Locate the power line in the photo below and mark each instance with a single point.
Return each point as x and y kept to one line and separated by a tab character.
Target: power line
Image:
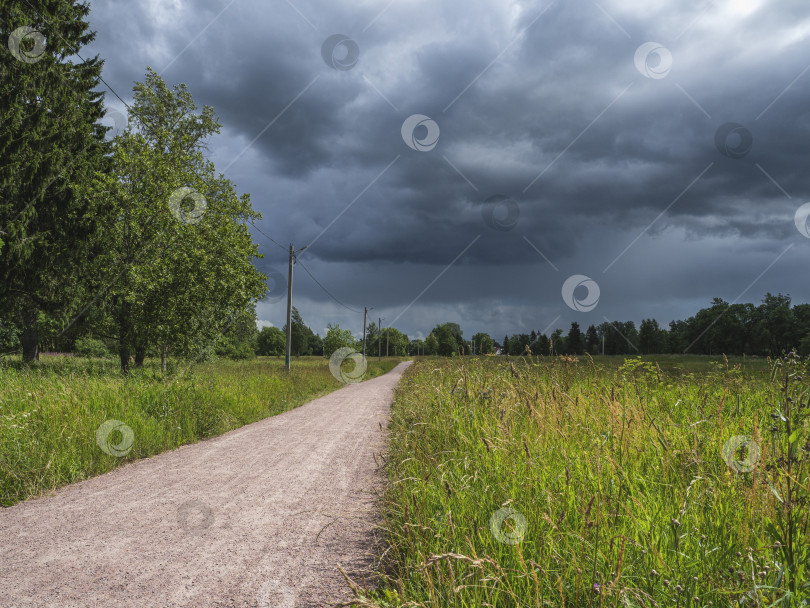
268	236
325	289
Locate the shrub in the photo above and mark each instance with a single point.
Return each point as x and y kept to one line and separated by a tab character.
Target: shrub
90	347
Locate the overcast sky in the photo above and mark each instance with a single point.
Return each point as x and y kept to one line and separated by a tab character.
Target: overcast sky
461	160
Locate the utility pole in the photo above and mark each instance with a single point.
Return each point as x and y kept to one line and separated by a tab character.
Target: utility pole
379	338
603	344
365	314
289	306
387	333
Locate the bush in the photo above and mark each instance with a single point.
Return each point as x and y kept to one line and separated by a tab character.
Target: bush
9	336
90	347
238	351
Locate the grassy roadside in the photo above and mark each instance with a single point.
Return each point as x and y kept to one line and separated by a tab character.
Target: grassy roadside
50	416
561	483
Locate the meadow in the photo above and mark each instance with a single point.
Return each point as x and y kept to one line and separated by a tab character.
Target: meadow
663	481
70	418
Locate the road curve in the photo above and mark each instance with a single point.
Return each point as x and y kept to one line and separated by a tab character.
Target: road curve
259	517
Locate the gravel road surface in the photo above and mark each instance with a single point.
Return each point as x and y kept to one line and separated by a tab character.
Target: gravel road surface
258	517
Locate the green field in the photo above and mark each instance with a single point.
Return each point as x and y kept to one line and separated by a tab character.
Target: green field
563	482
50	414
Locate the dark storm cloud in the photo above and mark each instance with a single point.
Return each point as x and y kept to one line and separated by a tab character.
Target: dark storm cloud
539	102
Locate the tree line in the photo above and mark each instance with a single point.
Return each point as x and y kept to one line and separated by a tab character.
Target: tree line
129	238
386	341
768	329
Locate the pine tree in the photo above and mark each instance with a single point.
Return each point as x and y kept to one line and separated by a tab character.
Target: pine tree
50	141
592	340
575	342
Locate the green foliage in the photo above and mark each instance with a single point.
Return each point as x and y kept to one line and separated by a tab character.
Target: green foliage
91	347
49	143
315	345
592	343
395	343
303	340
386	339
769	329
651	338
9	336
448	339
186	278
337	338
484	345
417	347
575	341
787	474
432	345
271	341
240	341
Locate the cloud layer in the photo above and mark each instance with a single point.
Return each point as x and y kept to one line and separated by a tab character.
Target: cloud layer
658	148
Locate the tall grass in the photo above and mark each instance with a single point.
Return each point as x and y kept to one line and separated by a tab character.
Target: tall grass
50	415
559	482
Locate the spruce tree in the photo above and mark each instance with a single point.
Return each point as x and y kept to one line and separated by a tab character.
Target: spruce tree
50	141
592	340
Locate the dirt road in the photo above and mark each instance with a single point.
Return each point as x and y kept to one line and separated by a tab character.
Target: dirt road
258	517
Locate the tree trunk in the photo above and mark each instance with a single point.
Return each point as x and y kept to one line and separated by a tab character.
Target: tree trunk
30	343
123	355
140	355
124	337
164	351
30	336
